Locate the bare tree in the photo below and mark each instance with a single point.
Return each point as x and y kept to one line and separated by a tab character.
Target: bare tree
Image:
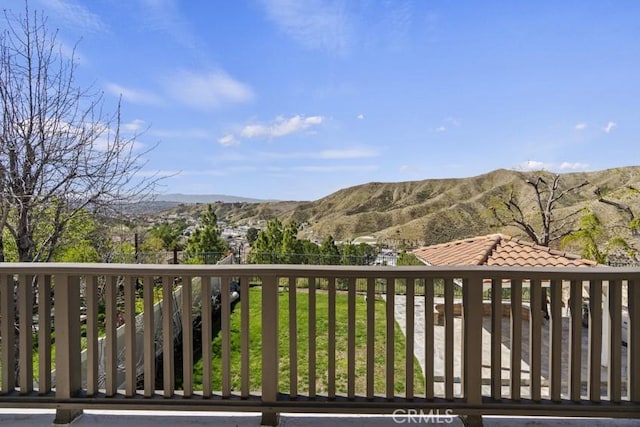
60	154
633	221
548	193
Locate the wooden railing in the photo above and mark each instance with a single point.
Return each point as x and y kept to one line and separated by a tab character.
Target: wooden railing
490	351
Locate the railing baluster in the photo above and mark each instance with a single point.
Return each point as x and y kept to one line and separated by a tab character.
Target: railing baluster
516	339
244	336
25	312
535	339
111	339
428	338
44	334
207	336
187	337
555	342
312	337
633	348
595	339
7	319
168	371
92	334
410	338
496	339
130	334
390	322
575	340
225	332
371	334
332	339
615	347
149	337
270	354
293	338
448	339
351	338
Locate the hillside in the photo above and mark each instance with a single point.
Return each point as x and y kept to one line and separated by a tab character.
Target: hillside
434	210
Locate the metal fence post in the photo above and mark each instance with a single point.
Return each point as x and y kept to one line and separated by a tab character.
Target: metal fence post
270	355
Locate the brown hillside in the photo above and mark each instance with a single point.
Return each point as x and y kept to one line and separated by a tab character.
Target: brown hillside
437	210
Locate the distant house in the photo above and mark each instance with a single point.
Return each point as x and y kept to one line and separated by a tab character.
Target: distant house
499	250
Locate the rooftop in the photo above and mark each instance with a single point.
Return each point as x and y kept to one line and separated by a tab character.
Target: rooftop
498	250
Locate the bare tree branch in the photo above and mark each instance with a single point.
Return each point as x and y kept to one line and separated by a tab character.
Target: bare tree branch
60	154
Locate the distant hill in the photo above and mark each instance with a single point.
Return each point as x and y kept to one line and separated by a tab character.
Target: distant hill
434	210
204	198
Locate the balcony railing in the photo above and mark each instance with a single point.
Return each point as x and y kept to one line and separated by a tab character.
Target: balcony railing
475	337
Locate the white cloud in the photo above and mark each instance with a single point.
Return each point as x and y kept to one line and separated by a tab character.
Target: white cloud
533	165
581	126
228	140
453	121
567	166
76	15
441	129
315	24
609	127
360	116
281	126
207	90
134	126
134	96
167	17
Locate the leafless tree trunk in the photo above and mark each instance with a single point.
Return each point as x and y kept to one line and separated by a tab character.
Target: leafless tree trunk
548	194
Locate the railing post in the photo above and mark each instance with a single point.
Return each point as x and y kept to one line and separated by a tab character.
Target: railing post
472	344
67	319
270	357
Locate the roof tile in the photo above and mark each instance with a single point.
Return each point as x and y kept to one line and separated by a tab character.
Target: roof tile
498	250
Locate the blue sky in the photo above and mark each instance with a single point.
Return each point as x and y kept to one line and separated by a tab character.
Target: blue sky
295	99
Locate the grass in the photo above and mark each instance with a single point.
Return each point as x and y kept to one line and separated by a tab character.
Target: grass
322	340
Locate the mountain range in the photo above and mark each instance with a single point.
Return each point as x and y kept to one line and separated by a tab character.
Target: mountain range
438	210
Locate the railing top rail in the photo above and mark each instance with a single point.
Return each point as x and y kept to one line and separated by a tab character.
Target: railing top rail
543	273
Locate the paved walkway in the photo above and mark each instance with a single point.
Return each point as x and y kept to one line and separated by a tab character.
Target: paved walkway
439	357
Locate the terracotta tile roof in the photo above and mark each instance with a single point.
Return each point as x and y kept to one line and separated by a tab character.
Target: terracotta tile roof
498	250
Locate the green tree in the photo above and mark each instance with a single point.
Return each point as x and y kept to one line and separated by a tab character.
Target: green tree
169	233
252	235
311	252
84	240
329	251
406	258
290	247
589	237
266	247
206	239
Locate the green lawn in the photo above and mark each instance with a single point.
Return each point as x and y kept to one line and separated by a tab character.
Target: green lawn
322	302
